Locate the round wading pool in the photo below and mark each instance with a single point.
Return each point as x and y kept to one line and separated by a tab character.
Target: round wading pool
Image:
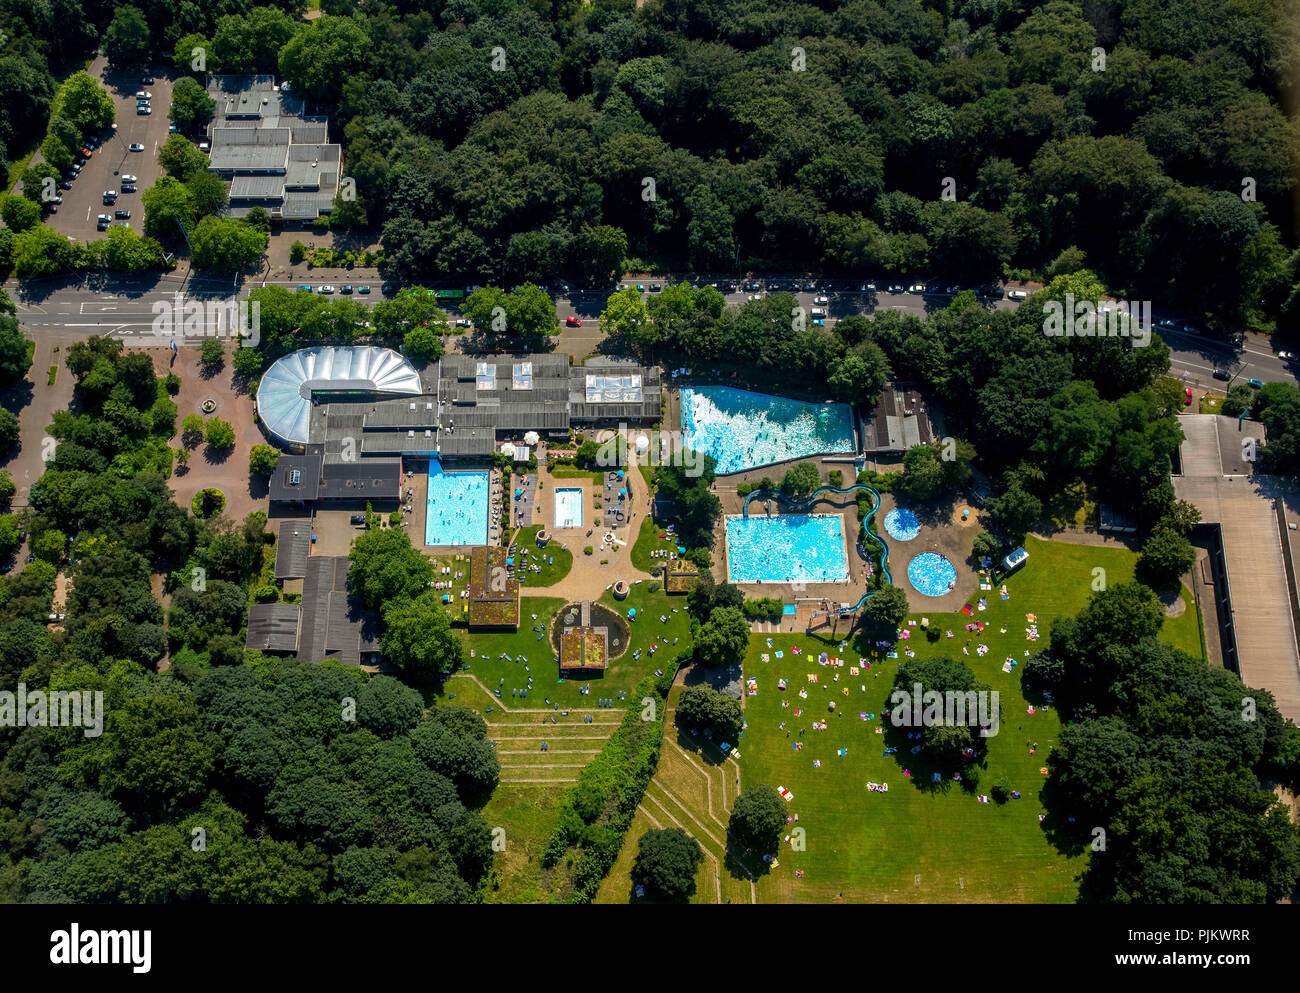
932	574
902	524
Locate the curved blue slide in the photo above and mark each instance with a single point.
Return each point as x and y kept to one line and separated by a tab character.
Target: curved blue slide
812	498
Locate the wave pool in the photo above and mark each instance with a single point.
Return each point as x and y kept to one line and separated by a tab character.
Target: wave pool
744	430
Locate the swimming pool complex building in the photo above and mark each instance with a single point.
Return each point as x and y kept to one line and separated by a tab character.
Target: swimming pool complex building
350	415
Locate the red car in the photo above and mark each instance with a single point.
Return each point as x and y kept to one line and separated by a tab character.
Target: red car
573	322
1187	396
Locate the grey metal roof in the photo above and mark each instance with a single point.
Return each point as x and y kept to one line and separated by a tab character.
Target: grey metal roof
334	623
296	478
292	546
273	627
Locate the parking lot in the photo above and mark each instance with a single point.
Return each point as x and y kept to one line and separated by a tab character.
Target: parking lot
84	202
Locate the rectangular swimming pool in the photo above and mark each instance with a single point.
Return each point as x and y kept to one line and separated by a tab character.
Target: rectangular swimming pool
789	548
743	430
568	507
456	510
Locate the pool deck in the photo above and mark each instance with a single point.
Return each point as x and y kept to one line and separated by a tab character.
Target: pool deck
937	535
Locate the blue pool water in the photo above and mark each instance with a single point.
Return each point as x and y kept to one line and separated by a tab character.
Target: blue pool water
743	430
932	574
785	549
902	524
568	507
456	510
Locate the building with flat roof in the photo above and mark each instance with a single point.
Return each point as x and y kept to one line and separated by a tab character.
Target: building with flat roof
330	623
273	153
680	575
584	650
493	591
343	411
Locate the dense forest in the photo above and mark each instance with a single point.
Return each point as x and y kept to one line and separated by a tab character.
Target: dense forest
1146	139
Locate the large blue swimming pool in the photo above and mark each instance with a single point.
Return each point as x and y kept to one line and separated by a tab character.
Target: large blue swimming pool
744	430
785	549
456	511
932	574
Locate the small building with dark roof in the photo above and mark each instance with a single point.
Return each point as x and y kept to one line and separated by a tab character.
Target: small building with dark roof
899	421
274	627
313	478
493	592
292	546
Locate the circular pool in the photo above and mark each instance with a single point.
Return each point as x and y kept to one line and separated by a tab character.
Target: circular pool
902	524
931	574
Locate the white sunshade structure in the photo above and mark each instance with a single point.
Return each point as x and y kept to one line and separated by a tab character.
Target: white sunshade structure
284	396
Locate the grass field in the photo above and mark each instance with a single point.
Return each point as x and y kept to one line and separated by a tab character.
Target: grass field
623	673
647	541
920	842
555	561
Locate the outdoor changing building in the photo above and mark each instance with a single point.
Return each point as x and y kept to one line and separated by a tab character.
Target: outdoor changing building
350	414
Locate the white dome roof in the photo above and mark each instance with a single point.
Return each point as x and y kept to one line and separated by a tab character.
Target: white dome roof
284	395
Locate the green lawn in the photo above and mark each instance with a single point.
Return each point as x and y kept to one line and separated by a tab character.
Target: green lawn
923	842
555	561
623	673
648	540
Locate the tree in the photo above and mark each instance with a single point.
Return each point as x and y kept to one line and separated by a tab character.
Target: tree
951	740
860	376
923	475
599	252
625	316
986	546
386	567
20	213
127	39
8	430
262	460
757	819
723	638
1015	511
884	612
322	54
14	360
212	355
800	480
191	106
666	862
247	361
388	708
84	102
192	429
219	435
42	251
1166	557
706	708
226	244
167	205
418	639
468	761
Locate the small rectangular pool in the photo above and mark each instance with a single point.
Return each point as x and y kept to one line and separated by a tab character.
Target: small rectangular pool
789	548
568	507
456	509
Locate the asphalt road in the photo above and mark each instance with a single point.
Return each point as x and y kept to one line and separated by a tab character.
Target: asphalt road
70	309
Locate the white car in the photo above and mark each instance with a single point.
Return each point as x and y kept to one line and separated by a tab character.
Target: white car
916	288
143	95
1018	295
821	300
1286	355
327	289
136	147
128	178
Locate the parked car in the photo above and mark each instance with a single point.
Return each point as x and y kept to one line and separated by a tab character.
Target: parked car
122	224
143	95
363	290
122	215
573	322
1254	384
66	184
327	289
135	146
1187	396
128	187
147	80
916	288
1223	374
144	111
387	288
655	287
110	196
819	322
306	288
103	221
128	178
345	289
1286	355
1018	295
357	519
821	300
